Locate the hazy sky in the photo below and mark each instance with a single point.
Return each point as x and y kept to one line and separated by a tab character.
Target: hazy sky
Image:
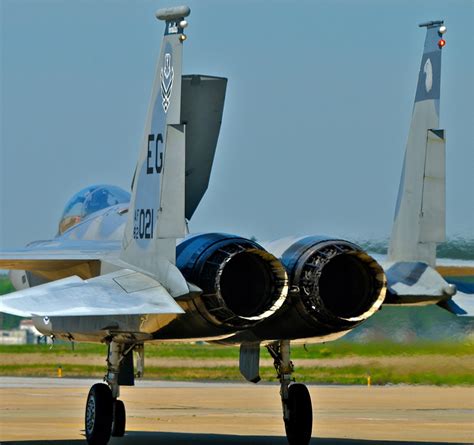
318	105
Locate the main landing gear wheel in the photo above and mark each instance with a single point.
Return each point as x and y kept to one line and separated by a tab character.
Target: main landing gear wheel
295	398
99	414
299	422
118	424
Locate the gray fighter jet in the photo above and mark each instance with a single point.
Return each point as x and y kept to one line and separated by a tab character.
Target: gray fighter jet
123	270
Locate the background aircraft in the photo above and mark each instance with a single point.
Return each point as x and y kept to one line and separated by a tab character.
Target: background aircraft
114	273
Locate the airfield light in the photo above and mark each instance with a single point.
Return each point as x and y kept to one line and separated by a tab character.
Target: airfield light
442	30
441	43
183	24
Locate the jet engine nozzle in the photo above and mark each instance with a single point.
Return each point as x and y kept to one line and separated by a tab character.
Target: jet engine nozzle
337	282
241	283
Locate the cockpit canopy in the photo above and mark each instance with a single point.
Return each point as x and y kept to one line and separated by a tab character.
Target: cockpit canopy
91	200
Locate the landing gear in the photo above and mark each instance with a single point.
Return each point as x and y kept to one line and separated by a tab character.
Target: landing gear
99	414
118	424
105	414
295	398
299	423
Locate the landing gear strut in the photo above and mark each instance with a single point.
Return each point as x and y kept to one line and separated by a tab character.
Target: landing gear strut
105	414
295	398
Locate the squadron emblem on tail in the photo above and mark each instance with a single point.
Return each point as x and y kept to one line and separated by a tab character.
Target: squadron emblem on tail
428	70
166	77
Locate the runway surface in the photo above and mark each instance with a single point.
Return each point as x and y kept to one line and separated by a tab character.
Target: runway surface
50	411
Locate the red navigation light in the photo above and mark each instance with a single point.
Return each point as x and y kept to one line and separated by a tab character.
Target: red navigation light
441	43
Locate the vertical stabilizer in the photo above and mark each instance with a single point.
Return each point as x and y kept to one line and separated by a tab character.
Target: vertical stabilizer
419	222
156	215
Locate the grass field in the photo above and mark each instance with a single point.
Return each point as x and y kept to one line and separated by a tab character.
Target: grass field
335	349
335	363
340	362
7	321
5	285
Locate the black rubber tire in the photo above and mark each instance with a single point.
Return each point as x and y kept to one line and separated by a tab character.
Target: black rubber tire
118	424
299	426
99	414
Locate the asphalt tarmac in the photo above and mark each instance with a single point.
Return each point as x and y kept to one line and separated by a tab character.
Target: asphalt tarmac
50	412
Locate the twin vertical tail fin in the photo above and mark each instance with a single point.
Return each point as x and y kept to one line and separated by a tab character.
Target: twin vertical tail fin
156	214
420	213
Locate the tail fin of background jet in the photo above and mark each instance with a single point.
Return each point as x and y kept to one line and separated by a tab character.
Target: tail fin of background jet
156	215
420	212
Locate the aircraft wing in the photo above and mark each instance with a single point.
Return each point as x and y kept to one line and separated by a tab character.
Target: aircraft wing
47	263
55	260
61	249
124	292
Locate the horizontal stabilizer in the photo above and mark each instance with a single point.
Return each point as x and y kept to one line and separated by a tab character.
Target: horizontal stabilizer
461	304
120	293
415	283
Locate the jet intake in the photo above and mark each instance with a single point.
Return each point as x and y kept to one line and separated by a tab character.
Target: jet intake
338	283
241	283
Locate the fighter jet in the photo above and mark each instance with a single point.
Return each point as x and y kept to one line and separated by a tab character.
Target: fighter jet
123	270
